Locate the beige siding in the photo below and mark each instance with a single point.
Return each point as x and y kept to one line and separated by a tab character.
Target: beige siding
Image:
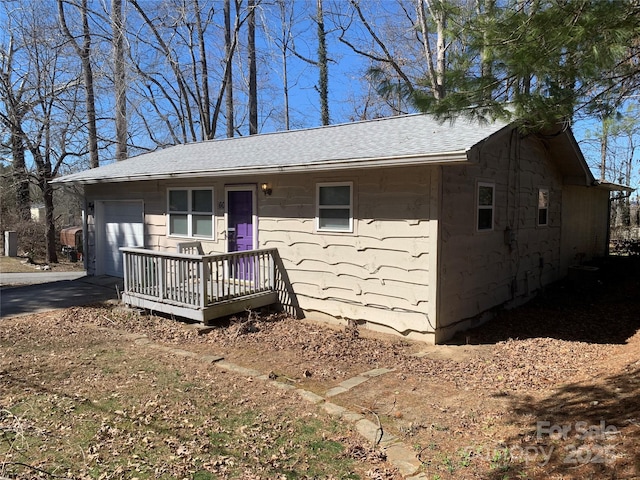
154	196
483	269
414	264
384	273
585	213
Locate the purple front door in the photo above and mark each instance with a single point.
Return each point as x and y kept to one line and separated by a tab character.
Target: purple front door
240	231
240	215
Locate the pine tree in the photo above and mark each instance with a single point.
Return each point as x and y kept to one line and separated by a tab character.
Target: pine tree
544	61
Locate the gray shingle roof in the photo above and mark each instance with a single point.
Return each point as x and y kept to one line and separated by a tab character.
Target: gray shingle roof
386	141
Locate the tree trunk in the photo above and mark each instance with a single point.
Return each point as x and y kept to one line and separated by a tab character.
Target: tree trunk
87	72
435	72
50	233
441	63
45	175
253	80
228	78
323	81
202	89
84	52
603	148
485	7
228	51
285	76
119	79
21	179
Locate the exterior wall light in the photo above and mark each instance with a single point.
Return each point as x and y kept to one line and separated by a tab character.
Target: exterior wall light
266	189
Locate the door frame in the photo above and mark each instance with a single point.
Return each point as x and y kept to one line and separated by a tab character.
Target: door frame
250	187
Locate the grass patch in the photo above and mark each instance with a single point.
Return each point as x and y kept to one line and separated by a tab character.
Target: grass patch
14	265
96	407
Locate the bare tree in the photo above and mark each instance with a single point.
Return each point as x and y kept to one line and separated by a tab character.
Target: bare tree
439	16
229	47
407	43
323	66
253	69
48	113
226	87
120	81
387	69
83	51
321	62
14	110
171	59
285	38
178	92
280	32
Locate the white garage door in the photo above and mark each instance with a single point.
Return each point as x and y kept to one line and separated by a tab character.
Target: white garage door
122	226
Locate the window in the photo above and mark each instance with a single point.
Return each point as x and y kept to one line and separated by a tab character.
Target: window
335	207
485	206
543	206
191	212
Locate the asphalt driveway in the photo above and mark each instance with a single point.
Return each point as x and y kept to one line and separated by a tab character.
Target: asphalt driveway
22	294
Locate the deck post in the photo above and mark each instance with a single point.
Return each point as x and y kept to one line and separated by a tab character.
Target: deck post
125	270
162	277
204	276
272	272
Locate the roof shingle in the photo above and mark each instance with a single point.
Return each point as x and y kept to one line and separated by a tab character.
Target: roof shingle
334	146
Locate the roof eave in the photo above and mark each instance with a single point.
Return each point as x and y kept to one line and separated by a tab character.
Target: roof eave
613	187
590	179
458	156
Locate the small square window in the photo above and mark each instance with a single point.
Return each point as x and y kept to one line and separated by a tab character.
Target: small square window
334	207
485	206
191	212
543	206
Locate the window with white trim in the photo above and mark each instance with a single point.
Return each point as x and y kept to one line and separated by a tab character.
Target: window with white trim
190	212
334	211
485	206
543	206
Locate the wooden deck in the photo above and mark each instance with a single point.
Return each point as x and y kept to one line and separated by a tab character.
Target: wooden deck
199	287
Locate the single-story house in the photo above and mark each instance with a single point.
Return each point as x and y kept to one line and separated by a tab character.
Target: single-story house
401	224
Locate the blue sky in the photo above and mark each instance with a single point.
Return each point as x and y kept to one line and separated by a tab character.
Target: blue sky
347	77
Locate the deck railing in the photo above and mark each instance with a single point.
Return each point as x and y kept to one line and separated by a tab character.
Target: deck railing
197	281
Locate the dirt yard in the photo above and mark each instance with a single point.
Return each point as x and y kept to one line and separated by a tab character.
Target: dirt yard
549	390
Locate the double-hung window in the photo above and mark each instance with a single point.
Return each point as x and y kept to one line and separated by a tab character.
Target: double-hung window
485	206
543	206
334	207
191	212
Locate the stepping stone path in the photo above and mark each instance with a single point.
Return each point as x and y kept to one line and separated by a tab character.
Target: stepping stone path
398	454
